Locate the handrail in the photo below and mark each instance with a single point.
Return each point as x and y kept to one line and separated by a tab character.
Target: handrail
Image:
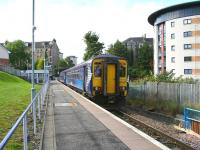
193	110
23	116
191	115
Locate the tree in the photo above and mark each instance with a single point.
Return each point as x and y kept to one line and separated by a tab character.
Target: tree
118	49
145	57
64	64
94	47
144	64
18	56
69	62
39	64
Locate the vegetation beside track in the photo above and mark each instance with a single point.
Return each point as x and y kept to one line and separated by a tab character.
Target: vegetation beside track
15	95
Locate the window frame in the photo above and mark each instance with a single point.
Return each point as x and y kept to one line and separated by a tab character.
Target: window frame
173	59
122	73
187	71
172	47
187	21
172	24
97	65
187	58
187	46
173	36
187	34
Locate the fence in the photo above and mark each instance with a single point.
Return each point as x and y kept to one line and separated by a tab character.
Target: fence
11	70
36	106
26	74
181	93
192	119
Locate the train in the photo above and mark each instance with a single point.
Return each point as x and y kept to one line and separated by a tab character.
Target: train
103	78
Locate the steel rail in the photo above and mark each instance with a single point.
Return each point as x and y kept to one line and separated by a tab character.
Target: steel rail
179	143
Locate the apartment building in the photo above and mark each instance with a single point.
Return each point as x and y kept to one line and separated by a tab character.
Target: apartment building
177	39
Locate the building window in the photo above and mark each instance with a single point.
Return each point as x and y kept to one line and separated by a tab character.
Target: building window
173	48
188	58
187	71
187	21
187	34
172	36
172	24
187	46
172	59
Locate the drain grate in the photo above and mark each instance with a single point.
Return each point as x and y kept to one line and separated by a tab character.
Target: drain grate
72	104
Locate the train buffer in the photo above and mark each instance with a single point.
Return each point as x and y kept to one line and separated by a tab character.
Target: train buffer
75	123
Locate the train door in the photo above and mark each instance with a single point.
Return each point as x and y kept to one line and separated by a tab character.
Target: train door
85	78
111	79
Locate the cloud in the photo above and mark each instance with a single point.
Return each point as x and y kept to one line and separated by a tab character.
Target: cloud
67	21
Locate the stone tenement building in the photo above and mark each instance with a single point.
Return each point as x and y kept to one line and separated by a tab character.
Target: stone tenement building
134	43
48	47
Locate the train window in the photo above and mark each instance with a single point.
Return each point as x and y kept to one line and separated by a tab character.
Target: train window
122	71
97	71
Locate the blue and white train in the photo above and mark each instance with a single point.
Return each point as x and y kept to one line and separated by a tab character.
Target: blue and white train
103	76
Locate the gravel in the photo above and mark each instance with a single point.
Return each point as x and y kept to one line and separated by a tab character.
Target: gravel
167	125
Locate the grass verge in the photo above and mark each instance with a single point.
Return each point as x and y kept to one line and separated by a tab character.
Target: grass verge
15	95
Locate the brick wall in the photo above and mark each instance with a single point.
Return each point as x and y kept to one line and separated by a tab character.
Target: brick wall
4	61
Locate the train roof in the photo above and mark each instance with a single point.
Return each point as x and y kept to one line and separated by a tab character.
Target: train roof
90	61
108	56
79	65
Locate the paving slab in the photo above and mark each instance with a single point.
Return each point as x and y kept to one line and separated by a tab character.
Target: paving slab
78	129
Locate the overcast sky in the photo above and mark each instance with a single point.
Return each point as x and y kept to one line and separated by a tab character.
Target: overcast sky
68	20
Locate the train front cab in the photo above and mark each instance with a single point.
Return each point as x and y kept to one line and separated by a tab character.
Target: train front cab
109	78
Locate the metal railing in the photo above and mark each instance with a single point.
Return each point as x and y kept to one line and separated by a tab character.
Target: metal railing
13	71
35	106
191	115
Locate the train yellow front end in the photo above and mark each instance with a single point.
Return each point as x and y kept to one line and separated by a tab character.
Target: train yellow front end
109	77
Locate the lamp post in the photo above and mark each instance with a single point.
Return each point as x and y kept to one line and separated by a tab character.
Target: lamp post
33	50
33	88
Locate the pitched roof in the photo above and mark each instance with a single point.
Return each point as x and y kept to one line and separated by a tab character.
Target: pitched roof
41	44
138	39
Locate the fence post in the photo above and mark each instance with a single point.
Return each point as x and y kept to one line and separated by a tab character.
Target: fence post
144	91
41	100
34	118
185	119
38	102
157	91
25	134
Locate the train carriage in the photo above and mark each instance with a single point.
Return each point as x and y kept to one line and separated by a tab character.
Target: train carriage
103	76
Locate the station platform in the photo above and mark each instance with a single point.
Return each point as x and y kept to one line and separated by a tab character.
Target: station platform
75	123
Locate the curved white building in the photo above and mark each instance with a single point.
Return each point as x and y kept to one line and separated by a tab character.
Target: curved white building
177	39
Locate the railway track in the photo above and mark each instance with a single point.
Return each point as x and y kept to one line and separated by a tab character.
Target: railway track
157	134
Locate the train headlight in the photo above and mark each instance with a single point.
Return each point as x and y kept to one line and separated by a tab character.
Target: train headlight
97	88
122	88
